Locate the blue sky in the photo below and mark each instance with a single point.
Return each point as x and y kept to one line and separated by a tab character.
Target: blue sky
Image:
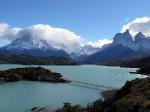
91	19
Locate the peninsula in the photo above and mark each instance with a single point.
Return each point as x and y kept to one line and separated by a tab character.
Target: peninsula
30	74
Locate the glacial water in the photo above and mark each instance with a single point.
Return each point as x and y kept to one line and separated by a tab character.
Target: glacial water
23	95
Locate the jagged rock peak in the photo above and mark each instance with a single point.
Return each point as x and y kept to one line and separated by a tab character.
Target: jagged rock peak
139	35
123	38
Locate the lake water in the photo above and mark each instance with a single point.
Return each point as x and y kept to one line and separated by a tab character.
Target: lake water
23	95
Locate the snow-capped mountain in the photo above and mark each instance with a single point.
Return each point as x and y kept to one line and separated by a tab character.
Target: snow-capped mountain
123	46
28	43
89	49
31	46
84	51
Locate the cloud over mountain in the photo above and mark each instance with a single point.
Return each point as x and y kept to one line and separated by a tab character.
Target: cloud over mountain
3	27
8	33
138	25
57	37
65	39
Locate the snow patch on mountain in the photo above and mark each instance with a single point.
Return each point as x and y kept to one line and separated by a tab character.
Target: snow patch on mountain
29	43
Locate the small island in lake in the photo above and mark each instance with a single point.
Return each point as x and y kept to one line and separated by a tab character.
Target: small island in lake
30	74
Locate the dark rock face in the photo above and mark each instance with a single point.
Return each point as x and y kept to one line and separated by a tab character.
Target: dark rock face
139	37
123	38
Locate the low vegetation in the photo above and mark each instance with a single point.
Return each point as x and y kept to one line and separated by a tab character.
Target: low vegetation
31	74
35	60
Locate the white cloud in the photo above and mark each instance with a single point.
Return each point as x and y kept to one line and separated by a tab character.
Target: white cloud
99	43
7	33
56	37
11	33
3	28
138	25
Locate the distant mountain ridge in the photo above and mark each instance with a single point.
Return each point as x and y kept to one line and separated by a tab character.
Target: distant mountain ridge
137	43
33	47
84	51
124	46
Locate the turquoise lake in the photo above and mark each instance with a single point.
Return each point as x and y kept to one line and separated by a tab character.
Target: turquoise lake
23	95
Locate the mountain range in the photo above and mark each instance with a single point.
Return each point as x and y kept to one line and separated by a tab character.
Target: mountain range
33	47
124	46
29	45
